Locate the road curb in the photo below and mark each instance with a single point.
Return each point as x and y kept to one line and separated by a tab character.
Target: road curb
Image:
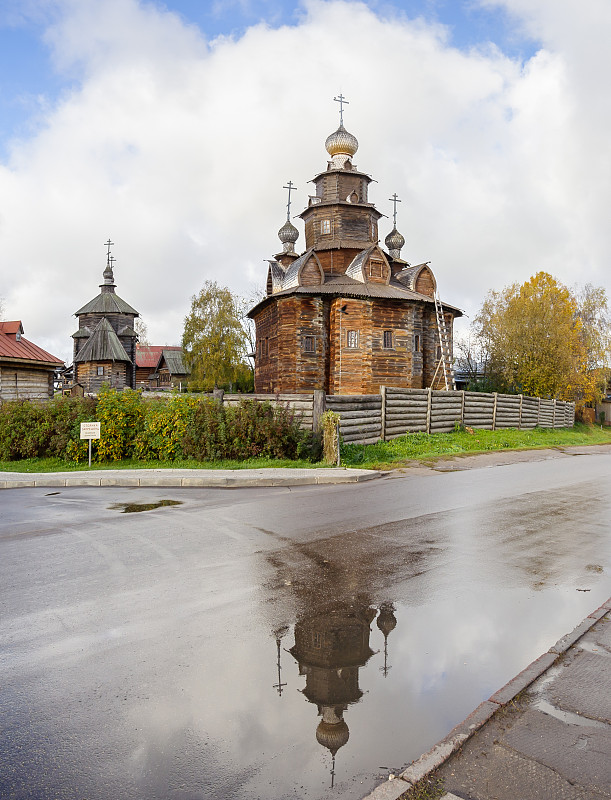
422	767
212	479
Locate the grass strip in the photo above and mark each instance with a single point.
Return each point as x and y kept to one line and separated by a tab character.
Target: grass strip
423	446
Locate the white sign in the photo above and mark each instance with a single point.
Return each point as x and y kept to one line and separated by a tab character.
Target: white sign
90	430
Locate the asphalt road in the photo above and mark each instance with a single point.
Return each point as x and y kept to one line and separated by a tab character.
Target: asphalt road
139	651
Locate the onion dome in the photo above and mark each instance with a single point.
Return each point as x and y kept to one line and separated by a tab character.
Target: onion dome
394	242
288	233
341	146
108	274
386	620
332	735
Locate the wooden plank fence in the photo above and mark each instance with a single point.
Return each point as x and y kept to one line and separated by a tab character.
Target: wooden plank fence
365	419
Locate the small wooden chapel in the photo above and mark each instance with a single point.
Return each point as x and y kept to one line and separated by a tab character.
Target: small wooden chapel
105	342
347	315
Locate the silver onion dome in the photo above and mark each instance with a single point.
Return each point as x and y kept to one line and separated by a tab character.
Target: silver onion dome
341	142
394	242
288	233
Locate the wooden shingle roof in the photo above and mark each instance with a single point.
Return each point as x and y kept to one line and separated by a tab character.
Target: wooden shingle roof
102	345
107	303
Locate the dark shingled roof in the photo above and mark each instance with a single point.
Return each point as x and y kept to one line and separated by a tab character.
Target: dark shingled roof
343	286
103	345
106	303
174	362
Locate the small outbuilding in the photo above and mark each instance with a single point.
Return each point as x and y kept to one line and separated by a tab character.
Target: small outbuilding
26	370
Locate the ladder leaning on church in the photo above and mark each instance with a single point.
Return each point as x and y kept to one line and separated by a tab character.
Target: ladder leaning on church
444	366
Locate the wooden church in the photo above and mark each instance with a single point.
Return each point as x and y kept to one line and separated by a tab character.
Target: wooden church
348	316
105	342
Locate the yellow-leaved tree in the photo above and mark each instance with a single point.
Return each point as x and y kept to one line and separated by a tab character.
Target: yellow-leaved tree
543	340
213	340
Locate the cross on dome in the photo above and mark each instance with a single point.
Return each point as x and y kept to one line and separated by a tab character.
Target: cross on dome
342	102
394	200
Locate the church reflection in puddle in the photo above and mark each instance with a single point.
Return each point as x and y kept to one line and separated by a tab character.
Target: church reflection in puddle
331	646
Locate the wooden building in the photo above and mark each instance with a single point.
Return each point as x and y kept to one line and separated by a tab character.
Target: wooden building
347	315
26	370
160	367
105	342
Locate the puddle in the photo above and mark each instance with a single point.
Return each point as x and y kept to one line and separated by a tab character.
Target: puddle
568	716
131	508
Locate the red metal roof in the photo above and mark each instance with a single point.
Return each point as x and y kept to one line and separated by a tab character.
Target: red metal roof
11	347
11	327
147	356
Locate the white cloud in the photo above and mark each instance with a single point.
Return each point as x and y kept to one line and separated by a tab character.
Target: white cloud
177	148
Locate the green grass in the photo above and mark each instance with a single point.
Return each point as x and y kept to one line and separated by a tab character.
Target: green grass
57	465
422	446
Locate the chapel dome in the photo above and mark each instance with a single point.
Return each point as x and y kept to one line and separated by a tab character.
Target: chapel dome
386	621
288	233
332	735
341	142
394	240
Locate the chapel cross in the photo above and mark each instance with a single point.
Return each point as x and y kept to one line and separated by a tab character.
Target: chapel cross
291	187
394	200
108	245
342	102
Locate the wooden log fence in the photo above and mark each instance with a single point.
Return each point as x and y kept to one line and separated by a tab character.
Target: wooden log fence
365	419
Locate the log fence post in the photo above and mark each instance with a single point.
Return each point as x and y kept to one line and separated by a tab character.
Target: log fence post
319	406
494	411
429	402
520	417
383	420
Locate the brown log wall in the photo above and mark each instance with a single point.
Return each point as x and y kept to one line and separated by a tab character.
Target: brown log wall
25	383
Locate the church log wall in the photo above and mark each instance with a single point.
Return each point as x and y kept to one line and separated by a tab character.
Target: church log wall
86	373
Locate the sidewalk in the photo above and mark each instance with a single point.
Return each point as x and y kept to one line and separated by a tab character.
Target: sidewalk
546	735
211	478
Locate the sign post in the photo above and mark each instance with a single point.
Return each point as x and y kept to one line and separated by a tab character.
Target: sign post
90	430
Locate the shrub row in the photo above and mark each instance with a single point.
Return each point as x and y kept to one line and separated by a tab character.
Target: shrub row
163	429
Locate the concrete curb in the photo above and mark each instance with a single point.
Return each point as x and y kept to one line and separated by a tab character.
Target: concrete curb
226	479
422	767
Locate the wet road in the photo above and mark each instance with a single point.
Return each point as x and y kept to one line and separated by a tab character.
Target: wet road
228	646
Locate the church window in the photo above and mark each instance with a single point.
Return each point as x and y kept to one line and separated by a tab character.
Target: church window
417	343
308	344
439	352
375	269
352	339
325	226
388	340
100	370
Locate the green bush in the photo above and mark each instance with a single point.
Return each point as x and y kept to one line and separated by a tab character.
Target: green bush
163	428
29	429
180	426
248	430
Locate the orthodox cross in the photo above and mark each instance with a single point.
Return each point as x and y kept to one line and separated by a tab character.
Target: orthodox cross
291	187
279	686
111	260
108	245
342	102
394	200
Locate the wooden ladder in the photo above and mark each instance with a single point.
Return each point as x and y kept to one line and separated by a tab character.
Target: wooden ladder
445	362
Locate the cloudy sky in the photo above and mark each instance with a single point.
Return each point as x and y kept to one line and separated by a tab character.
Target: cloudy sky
172	127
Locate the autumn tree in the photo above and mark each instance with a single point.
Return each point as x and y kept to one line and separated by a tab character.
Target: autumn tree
213	339
543	340
142	331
